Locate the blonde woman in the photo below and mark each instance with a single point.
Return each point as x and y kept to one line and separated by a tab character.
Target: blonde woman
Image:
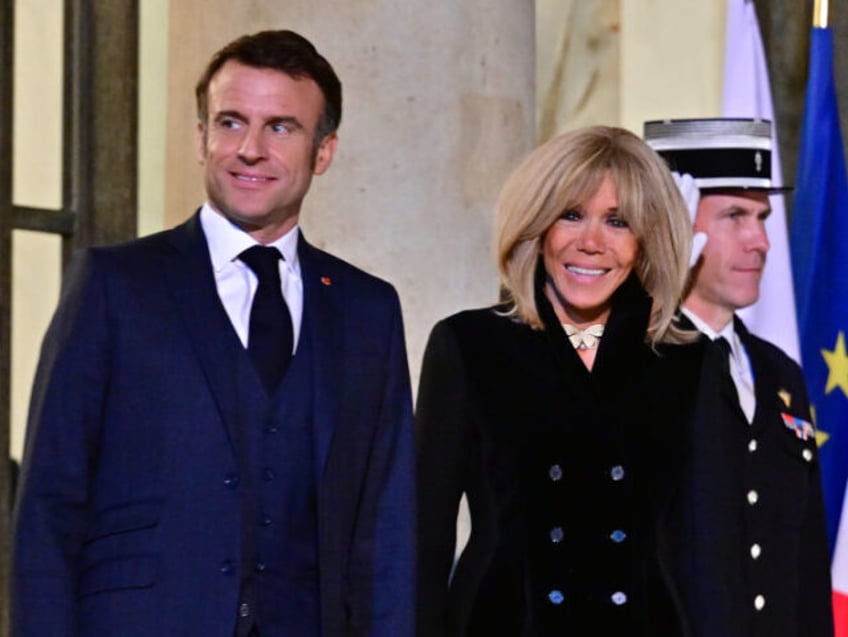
561	412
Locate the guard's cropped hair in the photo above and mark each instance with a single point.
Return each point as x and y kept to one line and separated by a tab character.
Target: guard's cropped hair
284	51
562	174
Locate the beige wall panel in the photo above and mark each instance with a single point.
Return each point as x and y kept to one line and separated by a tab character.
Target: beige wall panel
36	275
152	114
577	65
37	181
438	108
672	52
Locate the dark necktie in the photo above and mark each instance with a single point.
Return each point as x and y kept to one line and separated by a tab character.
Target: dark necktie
270	337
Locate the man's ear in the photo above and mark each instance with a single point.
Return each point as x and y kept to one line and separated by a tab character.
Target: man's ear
200	142
324	153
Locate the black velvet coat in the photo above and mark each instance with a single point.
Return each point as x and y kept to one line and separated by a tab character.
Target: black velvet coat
568	474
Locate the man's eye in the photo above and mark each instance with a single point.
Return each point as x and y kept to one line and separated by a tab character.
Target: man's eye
279	128
228	124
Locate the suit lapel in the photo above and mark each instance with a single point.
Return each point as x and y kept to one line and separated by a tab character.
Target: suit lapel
323	317
195	295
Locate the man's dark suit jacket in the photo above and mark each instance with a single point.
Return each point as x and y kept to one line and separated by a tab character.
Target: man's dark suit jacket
131	439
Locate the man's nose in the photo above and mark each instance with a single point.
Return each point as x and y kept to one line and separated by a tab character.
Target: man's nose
252	146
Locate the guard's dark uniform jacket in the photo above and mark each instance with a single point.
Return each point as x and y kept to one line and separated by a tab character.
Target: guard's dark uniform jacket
750	545
567	474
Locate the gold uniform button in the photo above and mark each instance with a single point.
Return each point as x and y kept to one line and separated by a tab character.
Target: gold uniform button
756	550
753	496
752	445
759	602
807	455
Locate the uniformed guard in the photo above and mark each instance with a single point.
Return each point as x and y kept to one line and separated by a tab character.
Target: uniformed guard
750	544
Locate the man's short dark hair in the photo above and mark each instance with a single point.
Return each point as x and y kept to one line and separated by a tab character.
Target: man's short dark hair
284	51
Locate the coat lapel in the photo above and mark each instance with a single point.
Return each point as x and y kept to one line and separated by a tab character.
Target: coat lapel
323	315
195	295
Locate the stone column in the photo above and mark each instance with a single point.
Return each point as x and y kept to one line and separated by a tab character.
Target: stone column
438	107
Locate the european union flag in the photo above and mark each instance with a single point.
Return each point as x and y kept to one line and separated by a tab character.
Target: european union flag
819	237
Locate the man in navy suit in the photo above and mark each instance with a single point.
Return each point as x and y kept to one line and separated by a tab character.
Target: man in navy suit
752	556
190	470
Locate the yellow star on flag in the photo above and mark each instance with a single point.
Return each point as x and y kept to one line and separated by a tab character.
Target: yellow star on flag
837	365
821	436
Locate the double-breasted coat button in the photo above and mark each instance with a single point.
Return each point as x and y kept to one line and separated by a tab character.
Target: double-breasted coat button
807	455
231	480
555	472
759	602
617	473
756	550
752	445
753	496
557	534
619	598
618	536
556	597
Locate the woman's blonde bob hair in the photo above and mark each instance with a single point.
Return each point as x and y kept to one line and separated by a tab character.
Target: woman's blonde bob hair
561	175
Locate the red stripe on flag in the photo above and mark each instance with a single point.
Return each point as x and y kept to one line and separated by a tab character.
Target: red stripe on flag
840	614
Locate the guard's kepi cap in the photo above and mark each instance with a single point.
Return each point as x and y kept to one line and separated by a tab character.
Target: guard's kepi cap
719	153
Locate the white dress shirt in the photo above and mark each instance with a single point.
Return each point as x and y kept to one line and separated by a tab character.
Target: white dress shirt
740	364
237	283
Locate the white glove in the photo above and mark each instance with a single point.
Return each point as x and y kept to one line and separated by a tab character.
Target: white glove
691	195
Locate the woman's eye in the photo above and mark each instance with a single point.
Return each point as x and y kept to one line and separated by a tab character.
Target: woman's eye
570	215
618	222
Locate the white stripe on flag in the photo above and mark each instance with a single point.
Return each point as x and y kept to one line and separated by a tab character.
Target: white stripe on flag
839	565
747	94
